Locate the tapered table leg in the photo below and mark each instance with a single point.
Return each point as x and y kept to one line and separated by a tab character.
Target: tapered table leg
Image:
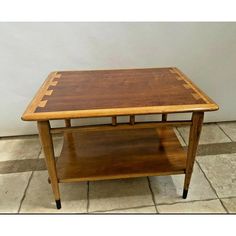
194	135
47	146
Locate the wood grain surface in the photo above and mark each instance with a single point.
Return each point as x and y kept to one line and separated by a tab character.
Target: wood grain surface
120	154
75	94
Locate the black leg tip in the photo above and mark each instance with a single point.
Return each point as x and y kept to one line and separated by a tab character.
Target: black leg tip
58	203
185	193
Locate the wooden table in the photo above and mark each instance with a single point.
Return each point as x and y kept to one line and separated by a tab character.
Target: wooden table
113	151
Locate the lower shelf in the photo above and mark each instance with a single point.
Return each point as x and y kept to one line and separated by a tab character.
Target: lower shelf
97	155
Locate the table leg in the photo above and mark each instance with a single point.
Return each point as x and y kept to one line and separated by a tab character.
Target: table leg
194	135
164	117
47	146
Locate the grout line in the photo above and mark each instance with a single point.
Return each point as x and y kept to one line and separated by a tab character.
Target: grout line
224	206
212	187
24	136
184	202
224	132
24	195
228	197
87	197
40	152
126	208
153	196
181	136
19	136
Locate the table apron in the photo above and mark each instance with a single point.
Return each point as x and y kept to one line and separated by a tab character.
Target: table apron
138	125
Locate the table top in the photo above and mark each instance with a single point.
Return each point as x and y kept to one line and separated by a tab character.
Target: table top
75	94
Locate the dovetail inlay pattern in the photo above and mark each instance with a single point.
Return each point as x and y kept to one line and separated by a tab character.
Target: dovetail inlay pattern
196	96
187	86
53	83
57	76
43	103
49	92
75	94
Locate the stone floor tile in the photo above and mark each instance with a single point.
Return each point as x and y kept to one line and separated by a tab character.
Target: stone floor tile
229	128
139	210
221	172
211	133
210	206
19	148
57	144
169	189
216	149
230	204
12	188
39	197
16	166
115	194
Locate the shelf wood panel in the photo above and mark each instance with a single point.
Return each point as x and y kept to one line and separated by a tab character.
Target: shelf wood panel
115	154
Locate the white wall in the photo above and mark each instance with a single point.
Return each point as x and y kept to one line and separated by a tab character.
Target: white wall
206	52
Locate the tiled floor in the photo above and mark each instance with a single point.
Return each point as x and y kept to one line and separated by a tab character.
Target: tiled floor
24	187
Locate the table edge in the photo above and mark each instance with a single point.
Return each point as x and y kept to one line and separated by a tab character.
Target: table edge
118	112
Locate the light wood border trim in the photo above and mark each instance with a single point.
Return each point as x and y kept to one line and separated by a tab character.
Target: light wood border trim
118	111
